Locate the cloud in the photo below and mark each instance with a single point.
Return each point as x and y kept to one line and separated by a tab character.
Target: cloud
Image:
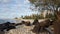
14	8
26	2
5	1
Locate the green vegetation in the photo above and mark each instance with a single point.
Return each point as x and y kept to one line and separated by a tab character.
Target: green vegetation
52	5
34	16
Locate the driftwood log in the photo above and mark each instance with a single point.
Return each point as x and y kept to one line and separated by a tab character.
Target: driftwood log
40	26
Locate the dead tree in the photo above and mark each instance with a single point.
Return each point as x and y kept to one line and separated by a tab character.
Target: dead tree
41	26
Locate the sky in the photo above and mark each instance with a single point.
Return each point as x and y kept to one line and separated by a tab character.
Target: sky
15	8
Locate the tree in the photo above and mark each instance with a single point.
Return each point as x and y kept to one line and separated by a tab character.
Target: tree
16	18
49	5
21	16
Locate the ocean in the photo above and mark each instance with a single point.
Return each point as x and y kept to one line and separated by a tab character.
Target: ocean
9	20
